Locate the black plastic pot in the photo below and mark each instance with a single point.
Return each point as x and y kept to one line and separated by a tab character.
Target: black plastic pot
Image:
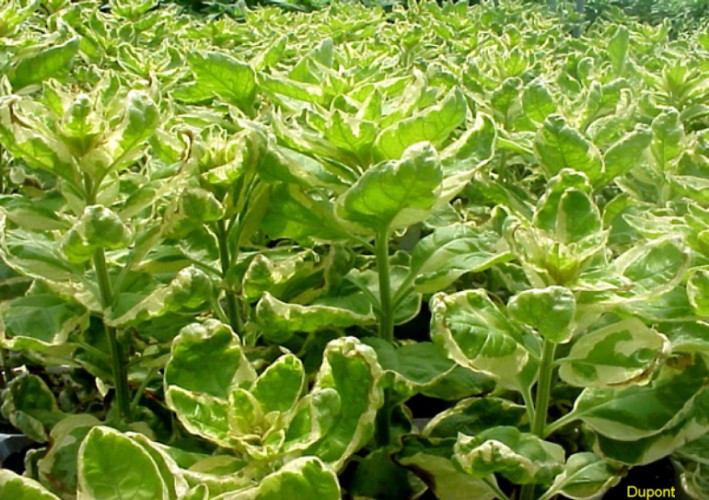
13	448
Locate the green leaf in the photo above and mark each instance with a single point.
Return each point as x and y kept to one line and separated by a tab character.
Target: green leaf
201	414
466	156
112	466
667	139
189	290
190	210
352	135
57	469
696	188
672	306
312	419
292	167
694	481
432	459
14	15
698	291
621	353
625	154
31	407
22	488
449	252
521	458
585	477
350	368
301	216
140	119
279	387
636	412
305	477
473	415
477	334
569	216
245	418
506	95
550	311
278	320
602	99
423	368
696	450
281	86
41	321
21	139
686	336
12	284
537	101
367	281
98	227
240	157
394	194
653	269
231	80
170	471
558	146
51	62
284	275
652	448
378	476
434	125
207	358
32	213
618	49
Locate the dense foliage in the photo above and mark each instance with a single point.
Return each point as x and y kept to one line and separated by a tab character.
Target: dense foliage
351	253
682	15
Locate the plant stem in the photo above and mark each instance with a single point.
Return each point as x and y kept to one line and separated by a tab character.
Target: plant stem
383	422
118	362
386	328
558	424
386	315
580	6
143	386
6	370
225	260
496	489
529	405
541	406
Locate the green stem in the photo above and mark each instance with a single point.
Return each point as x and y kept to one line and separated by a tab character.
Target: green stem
383	424
119	364
580	6
401	293
529	404
89	190
541	405
96	352
386	315
143	386
503	163
558	424
6	370
232	309
219	310
386	328
496	489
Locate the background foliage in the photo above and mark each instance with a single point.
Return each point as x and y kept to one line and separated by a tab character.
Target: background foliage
354	252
